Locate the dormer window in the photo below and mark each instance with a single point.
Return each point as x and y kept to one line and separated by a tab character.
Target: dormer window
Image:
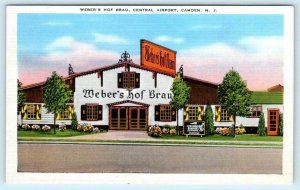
129	80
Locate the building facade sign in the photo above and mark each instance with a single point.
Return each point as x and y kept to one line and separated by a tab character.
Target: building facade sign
157	57
128	95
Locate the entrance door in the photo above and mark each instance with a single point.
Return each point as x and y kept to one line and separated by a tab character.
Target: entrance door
138	118
273	120
119	118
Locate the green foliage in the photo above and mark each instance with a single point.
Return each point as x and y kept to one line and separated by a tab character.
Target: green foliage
281	124
21	96
74	121
56	95
261	129
208	120
233	95
181	93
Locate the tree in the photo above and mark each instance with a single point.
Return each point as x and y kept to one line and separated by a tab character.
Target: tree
281	124
234	96
261	129
21	97
181	95
208	120
74	121
56	95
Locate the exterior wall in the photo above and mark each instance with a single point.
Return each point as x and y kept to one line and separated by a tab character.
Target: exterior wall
202	93
93	82
46	118
249	121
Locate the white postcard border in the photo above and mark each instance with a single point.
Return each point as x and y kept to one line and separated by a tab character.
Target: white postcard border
12	176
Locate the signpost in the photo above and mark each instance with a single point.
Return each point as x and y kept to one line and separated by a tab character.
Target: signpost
194	128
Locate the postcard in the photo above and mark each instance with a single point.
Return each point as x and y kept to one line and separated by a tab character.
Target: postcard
149	94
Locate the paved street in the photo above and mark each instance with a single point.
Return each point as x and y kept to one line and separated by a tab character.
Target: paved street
147	159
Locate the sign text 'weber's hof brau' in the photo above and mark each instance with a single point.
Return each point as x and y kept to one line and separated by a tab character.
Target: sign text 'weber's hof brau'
158	57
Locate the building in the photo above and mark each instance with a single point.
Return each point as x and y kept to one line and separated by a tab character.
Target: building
127	96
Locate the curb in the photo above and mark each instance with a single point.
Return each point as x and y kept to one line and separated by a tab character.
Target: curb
152	143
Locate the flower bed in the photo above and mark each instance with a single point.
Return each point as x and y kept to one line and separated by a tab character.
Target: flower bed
35	127
62	127
154	131
173	132
46	128
165	131
26	127
223	131
86	127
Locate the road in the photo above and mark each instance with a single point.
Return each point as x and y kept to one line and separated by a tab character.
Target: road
80	158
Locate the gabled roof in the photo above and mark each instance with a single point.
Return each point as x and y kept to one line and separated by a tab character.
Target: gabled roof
267	97
117	65
276	88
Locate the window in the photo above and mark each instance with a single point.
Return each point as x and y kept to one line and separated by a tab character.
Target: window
221	114
67	114
224	115
31	112
193	113
128	80
165	113
255	111
91	112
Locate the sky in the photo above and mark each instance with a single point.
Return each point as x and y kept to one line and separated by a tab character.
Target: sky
207	46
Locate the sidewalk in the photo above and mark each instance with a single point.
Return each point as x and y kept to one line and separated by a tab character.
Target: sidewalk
142	137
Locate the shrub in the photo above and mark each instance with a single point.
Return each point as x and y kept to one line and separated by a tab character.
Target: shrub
261	129
96	130
225	131
46	128
79	128
281	124
173	132
101	130
166	131
26	127
35	127
154	131
62	127
240	130
74	122
208	120
87	127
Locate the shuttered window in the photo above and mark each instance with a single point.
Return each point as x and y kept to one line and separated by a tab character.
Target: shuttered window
31	112
221	114
165	113
128	80
193	113
67	114
91	112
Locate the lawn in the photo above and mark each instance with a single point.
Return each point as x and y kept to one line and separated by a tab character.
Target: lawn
66	133
244	137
